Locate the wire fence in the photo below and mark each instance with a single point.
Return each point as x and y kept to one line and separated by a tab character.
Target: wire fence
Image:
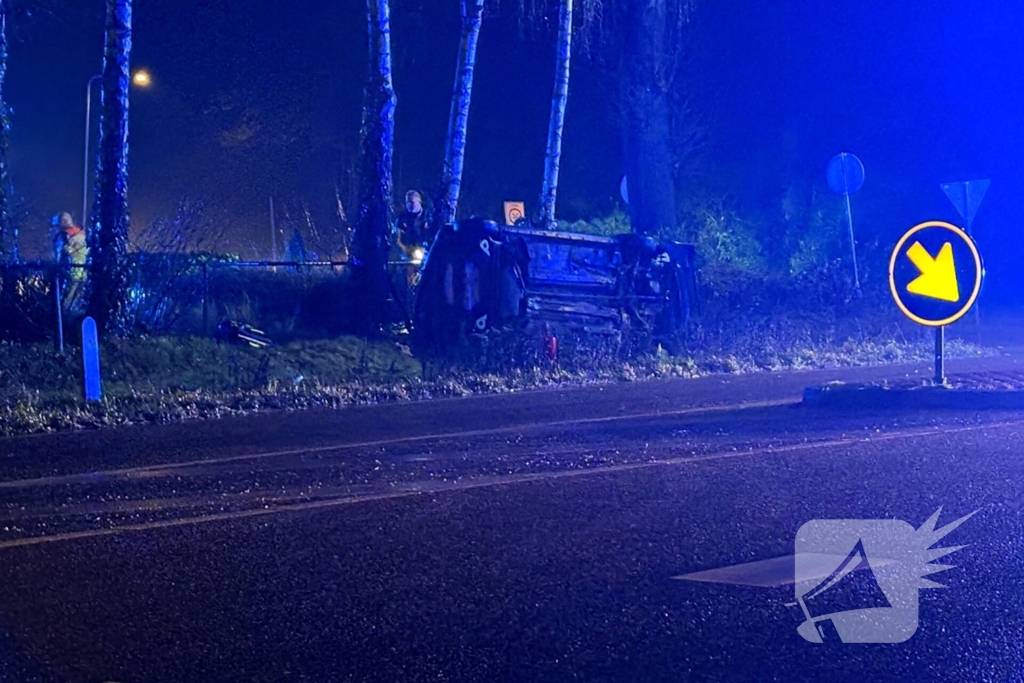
190	295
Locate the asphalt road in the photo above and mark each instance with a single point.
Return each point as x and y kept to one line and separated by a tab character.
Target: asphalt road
531	537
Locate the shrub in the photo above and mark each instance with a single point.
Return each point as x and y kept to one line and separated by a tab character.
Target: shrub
723	236
615	223
814	232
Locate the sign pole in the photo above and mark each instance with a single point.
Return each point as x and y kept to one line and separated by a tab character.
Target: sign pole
967	196
940	355
60	310
273	232
845	176
929	287
206	296
853	247
967	204
977	306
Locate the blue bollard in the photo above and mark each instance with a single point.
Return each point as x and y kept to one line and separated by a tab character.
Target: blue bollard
91	360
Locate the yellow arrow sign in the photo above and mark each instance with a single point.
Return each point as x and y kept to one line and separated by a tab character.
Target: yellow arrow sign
938	275
933	280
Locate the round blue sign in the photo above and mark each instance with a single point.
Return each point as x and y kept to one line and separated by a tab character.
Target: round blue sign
935	273
845	174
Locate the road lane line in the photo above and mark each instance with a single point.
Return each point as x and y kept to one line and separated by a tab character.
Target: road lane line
160	469
500	480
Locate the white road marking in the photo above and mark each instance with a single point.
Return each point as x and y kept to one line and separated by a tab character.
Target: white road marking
165	469
501	480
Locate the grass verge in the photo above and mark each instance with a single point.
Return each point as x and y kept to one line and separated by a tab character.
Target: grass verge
163	380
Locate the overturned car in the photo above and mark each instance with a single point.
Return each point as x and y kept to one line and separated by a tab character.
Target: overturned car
478	276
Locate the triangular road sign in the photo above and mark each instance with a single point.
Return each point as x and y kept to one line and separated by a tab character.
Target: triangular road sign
966	196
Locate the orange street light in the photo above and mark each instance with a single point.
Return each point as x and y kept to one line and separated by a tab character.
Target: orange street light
142	79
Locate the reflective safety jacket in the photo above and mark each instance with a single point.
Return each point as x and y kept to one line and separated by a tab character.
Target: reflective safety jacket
76	252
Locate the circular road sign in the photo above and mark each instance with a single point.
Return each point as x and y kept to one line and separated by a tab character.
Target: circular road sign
935	273
845	174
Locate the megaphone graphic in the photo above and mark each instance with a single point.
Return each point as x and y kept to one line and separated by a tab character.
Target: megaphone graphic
851	586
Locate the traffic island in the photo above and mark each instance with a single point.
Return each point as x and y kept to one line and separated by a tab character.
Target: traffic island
981	391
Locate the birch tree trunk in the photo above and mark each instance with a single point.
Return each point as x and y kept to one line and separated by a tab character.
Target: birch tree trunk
108	228
8	230
556	124
458	119
370	240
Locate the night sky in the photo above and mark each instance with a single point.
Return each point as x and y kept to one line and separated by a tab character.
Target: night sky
262	98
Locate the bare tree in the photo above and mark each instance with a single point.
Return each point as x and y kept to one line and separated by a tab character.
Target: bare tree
651	54
8	228
166	261
188	231
458	119
15	15
327	237
11	11
108	233
642	45
556	124
370	241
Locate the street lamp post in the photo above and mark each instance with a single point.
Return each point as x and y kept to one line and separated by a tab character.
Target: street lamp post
141	79
88	130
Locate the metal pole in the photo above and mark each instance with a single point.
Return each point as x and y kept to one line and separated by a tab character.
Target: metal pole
853	246
970	233
88	130
273	231
967	206
940	353
206	310
273	235
60	309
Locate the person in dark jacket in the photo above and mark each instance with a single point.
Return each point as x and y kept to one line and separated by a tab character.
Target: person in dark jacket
413	232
